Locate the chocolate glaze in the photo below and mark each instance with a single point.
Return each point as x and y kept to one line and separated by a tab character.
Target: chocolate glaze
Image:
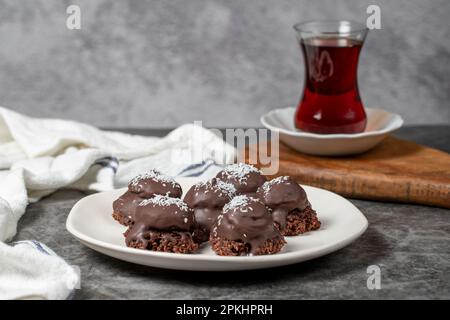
283	195
207	199
154	182
126	205
160	213
244	177
248	220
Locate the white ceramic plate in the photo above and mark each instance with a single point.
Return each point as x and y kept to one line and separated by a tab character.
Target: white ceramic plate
90	222
379	124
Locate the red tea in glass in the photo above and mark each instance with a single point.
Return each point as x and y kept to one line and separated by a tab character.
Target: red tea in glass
331	101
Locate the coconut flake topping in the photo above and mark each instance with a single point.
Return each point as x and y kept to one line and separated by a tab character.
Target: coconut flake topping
240	171
219	186
164	201
239	202
155	175
279	180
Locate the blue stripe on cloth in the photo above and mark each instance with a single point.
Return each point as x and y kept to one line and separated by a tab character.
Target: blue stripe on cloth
36	245
108	162
197	169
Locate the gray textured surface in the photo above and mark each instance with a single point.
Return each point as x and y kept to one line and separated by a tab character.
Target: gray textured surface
408	242
139	63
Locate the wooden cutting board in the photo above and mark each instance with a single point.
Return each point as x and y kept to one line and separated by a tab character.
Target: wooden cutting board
396	170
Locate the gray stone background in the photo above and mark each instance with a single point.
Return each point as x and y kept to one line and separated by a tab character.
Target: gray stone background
139	63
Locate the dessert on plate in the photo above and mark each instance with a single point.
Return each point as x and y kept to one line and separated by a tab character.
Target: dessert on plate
245	178
289	205
207	200
239	212
163	224
143	186
245	227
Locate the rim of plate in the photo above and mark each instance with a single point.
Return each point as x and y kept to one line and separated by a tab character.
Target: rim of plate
396	124
201	257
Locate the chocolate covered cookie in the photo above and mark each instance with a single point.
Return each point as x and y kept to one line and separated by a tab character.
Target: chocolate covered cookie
125	206
154	182
289	205
245	178
163	224
207	199
245	227
142	187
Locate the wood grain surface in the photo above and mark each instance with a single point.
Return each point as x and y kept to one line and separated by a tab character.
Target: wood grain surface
396	170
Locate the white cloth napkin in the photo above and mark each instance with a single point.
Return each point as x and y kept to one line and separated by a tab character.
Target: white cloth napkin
39	156
30	270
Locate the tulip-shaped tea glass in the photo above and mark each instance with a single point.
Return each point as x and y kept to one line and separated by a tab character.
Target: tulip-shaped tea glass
331	101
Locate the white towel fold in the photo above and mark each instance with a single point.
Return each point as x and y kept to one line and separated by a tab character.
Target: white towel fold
30	270
39	156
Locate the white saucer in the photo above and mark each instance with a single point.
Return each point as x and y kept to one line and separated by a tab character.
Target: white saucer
379	124
90	222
